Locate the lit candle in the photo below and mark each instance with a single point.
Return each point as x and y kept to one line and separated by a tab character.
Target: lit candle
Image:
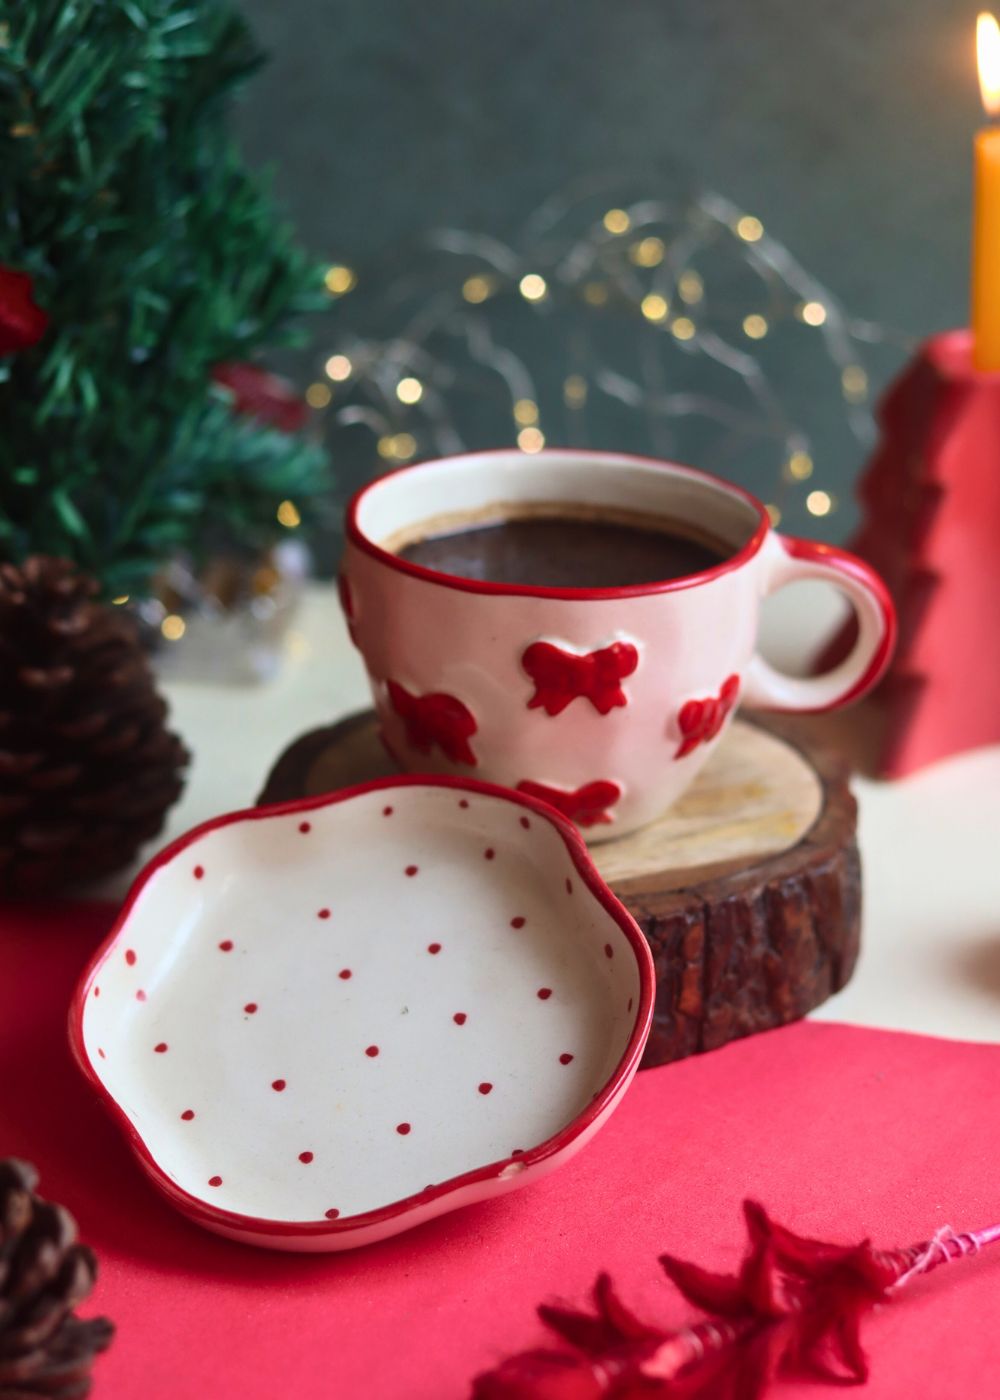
986	221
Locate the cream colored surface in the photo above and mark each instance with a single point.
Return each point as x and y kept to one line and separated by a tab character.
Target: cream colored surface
777	794
930	844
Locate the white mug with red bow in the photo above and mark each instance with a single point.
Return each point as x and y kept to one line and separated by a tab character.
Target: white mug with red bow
604	702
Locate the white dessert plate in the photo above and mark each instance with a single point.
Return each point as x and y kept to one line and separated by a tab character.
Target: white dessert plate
325	1022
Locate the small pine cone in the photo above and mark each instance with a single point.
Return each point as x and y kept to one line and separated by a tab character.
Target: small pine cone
88	768
44	1349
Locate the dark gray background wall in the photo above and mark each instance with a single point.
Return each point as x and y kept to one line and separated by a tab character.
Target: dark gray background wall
846	127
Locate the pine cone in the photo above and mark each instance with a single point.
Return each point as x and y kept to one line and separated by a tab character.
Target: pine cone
44	1273
87	766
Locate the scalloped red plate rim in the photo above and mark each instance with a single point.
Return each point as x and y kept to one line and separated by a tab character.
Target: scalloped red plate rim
199	1210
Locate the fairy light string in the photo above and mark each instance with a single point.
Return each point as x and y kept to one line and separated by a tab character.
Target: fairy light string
646	260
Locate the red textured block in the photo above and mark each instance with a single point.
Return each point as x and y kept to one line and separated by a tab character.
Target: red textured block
931	527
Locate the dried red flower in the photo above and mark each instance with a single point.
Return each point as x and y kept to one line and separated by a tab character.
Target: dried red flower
794	1307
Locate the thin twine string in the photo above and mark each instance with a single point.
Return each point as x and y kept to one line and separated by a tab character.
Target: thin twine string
935	1252
573	246
944	1246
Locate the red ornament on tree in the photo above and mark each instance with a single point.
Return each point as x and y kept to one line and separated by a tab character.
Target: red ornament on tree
22	321
264	396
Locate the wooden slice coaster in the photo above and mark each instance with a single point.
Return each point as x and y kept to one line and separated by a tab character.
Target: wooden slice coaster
748	889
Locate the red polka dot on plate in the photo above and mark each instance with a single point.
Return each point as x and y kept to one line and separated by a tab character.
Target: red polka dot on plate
331	1214
486	1087
387	811
609	952
569	885
463	802
460	1018
372	1051
140	995
305	827
199	872
411	870
517	1152
278	1085
187	1115
629	1007
130	957
434	947
323	914
305	1157
489	853
226	946
402	1129
101	1053
97	991
525	823
518	921
161	1049
544	993
344	974
565	1058
215	1181
250	1008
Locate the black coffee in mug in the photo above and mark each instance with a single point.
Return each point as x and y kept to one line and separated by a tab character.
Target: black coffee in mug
559	550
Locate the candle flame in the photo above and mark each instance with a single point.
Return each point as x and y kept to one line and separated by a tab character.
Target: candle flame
988	58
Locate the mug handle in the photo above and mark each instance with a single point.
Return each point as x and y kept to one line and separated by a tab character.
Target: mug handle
792	560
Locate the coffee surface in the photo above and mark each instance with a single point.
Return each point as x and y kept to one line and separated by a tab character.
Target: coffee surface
565	553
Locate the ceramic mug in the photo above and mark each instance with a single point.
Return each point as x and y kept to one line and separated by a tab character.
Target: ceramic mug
604	702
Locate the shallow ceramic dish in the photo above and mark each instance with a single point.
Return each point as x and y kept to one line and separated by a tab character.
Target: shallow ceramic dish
322	1023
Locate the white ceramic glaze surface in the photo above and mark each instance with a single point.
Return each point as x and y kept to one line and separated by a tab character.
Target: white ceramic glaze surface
327	1022
651	674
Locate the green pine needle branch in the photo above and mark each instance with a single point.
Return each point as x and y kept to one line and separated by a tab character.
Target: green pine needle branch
157	255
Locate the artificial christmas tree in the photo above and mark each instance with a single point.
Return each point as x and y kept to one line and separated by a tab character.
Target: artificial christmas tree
137	256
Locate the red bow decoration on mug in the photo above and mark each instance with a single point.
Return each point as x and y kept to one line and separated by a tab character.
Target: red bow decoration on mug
701	720
435	719
561	676
587	805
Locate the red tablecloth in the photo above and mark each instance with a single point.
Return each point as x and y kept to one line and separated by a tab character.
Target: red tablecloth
839	1131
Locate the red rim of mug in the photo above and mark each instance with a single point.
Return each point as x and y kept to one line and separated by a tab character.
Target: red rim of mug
743	555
